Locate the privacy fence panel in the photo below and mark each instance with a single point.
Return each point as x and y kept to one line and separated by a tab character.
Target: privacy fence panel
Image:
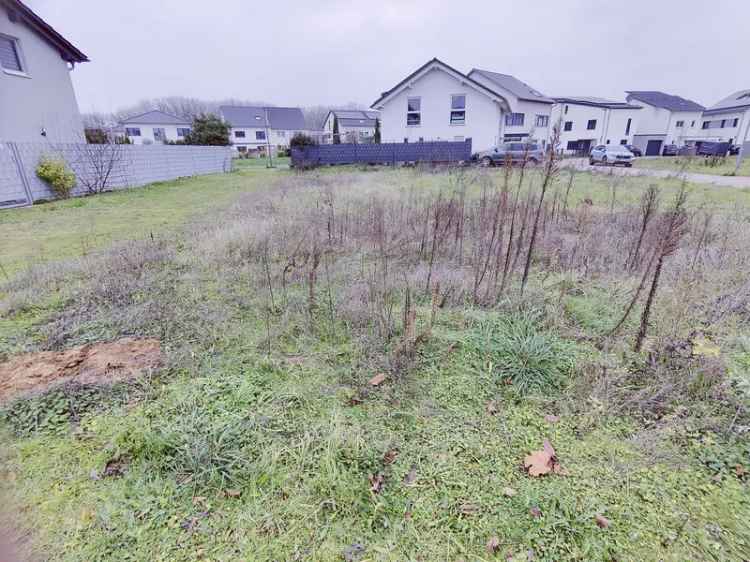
385	153
102	167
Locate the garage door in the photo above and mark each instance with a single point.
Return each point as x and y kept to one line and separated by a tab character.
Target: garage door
653	148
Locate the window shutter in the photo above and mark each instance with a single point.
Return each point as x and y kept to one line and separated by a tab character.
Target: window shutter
9	58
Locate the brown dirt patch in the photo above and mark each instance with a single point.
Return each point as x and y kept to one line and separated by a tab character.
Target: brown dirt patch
97	363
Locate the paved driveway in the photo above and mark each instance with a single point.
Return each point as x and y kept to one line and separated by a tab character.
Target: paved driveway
726	181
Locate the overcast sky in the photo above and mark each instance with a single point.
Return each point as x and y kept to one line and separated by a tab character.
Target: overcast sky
331	52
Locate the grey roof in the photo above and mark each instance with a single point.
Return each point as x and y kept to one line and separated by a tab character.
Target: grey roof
154	117
665	101
596	102
512	84
282	118
355	117
737	101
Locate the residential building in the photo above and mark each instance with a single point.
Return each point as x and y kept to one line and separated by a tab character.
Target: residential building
354	125
727	120
37	101
438	102
155	127
665	119
585	122
529	117
255	128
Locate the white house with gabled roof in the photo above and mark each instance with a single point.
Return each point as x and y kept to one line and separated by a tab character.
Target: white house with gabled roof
37	101
155	127
256	128
354	125
728	120
438	102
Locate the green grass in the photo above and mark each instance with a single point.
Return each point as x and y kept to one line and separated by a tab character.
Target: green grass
697	164
281	162
64	229
230	454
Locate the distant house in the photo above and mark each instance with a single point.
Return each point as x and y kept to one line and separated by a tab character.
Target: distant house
255	128
665	119
585	122
728	120
37	101
155	127
438	102
354	125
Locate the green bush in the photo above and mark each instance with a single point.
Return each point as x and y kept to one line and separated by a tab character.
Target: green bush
523	354
55	172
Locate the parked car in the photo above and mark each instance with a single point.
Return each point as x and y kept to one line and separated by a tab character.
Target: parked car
635	151
516	151
611	154
670	150
710	148
734	150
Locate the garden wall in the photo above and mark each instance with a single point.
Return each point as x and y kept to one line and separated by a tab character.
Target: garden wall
123	166
385	153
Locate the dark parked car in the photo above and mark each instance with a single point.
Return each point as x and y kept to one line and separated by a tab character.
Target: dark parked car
734	150
516	151
670	150
634	150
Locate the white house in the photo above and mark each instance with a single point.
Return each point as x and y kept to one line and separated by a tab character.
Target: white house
665	119
255	128
37	101
437	102
727	120
586	121
354	125
155	127
529	118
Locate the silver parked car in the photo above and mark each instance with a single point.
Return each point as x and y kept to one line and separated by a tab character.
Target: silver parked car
612	154
515	151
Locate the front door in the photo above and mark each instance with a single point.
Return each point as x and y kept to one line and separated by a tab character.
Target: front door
653	148
160	135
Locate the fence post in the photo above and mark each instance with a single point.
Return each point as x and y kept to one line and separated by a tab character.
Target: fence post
16	155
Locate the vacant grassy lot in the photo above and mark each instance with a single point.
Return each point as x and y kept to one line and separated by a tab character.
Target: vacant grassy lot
698	164
356	369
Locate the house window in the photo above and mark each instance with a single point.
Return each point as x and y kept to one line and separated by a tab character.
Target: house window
679	124
623	141
692	124
568	126
566	110
414	112
723	122
160	135
542	120
627	127
591	125
706	124
458	109
260	135
735	122
183	131
572	145
607	141
10	55
239	134
514	120
133	131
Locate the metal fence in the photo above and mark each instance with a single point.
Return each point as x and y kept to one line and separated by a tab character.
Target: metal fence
124	166
385	153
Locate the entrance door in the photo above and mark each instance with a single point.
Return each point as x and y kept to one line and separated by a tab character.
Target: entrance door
653	148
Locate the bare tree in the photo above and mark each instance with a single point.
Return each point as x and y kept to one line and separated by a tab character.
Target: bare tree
96	165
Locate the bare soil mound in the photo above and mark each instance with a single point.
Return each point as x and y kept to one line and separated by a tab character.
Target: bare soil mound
100	363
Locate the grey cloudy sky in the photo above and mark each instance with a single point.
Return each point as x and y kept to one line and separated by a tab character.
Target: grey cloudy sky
309	52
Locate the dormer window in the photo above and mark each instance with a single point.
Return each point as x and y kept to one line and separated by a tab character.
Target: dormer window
10	56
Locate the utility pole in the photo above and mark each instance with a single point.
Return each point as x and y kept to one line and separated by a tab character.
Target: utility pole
269	156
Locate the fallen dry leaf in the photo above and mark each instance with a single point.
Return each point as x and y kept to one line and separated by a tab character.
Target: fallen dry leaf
491	408
377	379
296	360
390	456
468	509
509	492
535	512
232	493
411	476
551	418
539	463
376	482
601	521
493	544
